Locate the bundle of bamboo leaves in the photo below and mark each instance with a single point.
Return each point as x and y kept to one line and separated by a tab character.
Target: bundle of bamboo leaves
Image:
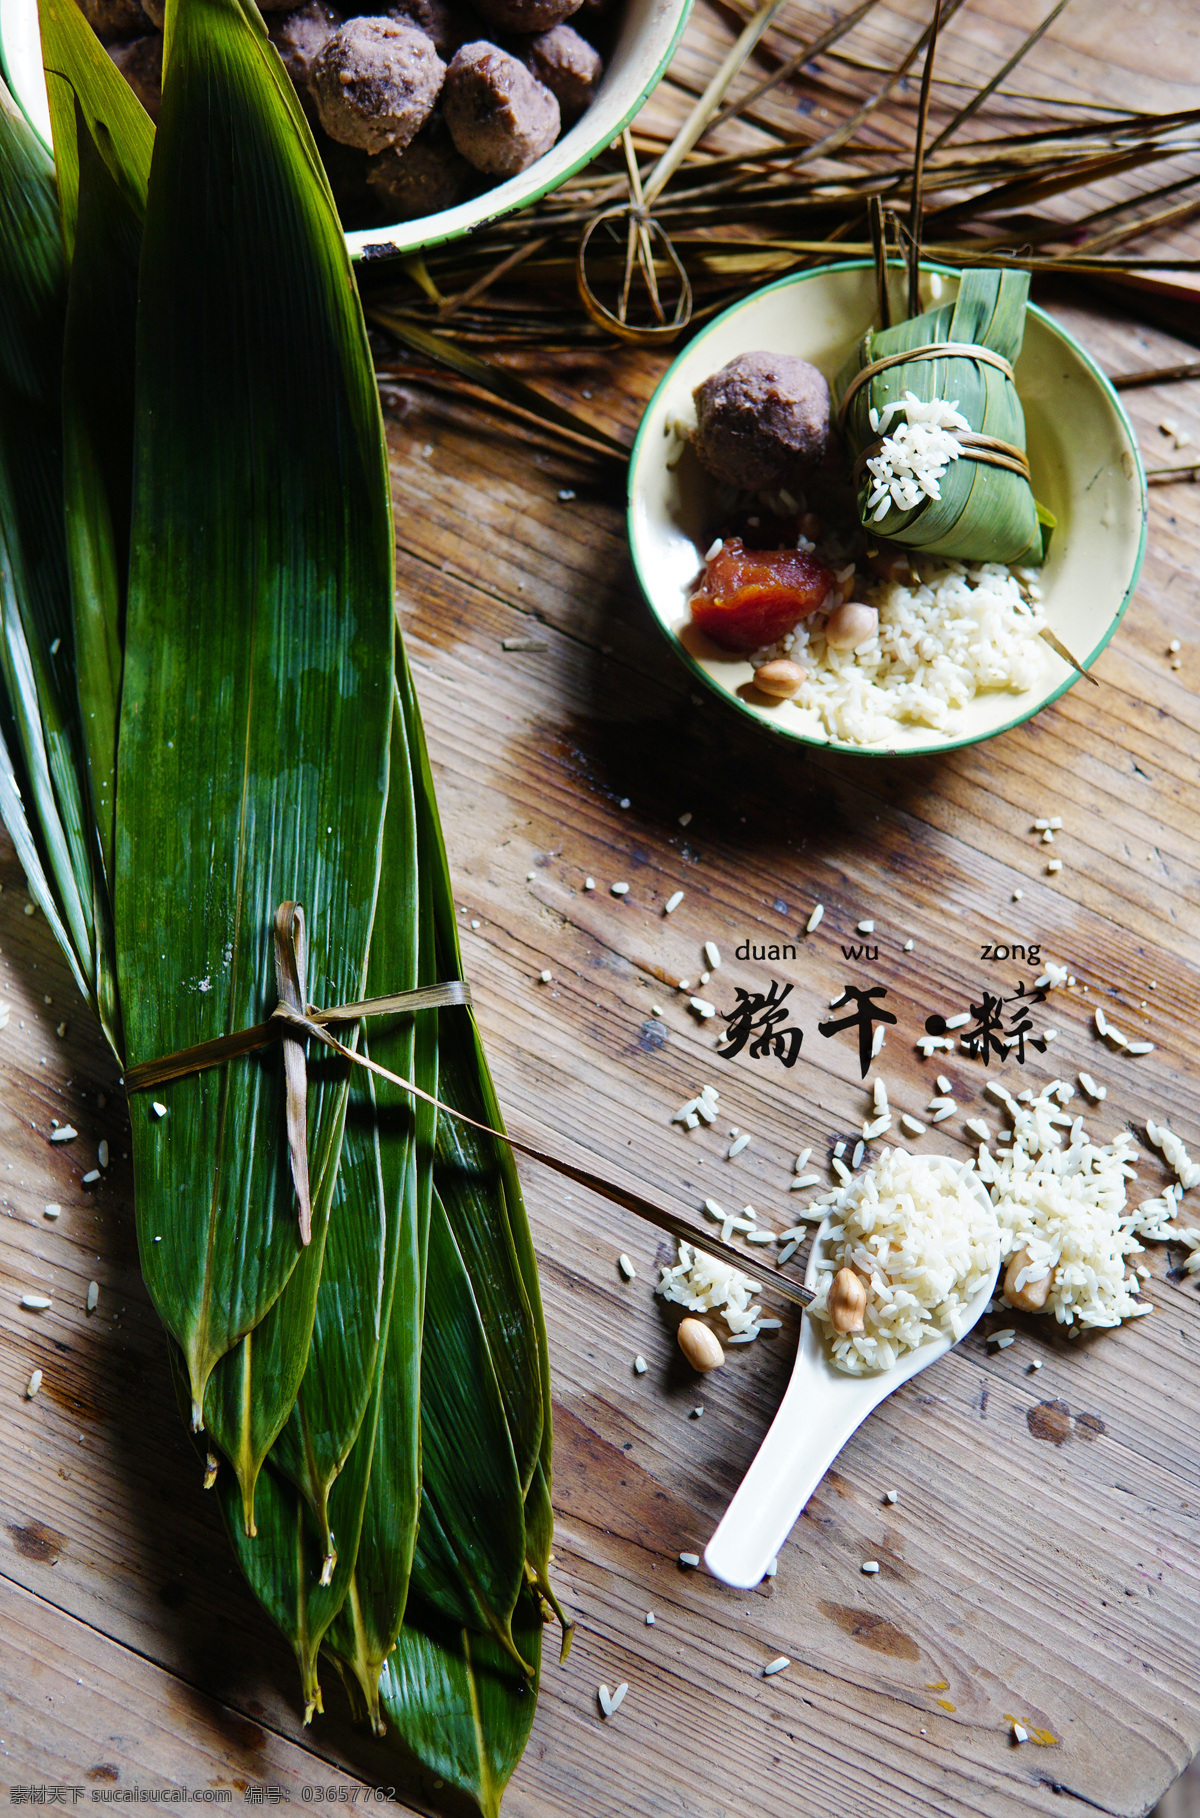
981	507
207	719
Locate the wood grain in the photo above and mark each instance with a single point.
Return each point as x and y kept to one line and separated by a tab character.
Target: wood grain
1041	1558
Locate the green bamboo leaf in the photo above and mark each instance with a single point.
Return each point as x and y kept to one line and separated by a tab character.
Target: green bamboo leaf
259	624
252	1389
81	75
459	1704
284	1558
98	378
367	1626
470	1552
471	1187
352	1316
36	643
288	1563
13	793
539	1513
374	1287
349	1325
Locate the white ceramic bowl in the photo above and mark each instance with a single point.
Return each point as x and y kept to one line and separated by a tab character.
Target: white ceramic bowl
1082	452
650	30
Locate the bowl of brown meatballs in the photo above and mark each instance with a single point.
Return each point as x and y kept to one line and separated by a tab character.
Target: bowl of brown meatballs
432	116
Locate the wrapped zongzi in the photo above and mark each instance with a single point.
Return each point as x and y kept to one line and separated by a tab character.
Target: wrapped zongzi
936	432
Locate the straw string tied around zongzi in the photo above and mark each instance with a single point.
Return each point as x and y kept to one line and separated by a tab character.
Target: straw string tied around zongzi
933	350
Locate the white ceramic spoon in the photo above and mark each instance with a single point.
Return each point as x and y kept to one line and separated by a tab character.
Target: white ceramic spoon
822	1408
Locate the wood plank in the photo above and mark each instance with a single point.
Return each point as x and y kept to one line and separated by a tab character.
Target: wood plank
81	1711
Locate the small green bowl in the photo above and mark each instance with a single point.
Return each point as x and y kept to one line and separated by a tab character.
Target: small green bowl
1082	452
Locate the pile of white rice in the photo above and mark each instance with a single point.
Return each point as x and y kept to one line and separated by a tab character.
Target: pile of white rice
1062	1198
915	1227
704	1284
960	631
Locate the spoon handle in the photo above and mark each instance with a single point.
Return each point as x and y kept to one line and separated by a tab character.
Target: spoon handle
805	1437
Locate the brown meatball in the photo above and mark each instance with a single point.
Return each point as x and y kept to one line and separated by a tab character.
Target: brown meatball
115	18
448	26
762	420
301	35
526	15
568	66
375	83
500	117
426	176
140	62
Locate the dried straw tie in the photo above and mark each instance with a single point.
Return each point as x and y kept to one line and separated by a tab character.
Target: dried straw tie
294	1020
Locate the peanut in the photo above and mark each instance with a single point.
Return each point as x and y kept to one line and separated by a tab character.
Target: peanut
850	625
700	1345
847	1301
779	678
1032	1297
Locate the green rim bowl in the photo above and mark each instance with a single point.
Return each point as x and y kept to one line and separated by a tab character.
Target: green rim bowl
650	30
1082	452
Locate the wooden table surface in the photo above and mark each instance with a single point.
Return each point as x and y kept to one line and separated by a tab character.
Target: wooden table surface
1041	1558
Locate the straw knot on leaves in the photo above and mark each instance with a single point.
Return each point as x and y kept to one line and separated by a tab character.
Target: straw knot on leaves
292	1023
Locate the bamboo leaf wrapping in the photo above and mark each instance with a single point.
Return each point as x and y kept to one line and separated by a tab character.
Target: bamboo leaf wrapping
986	513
